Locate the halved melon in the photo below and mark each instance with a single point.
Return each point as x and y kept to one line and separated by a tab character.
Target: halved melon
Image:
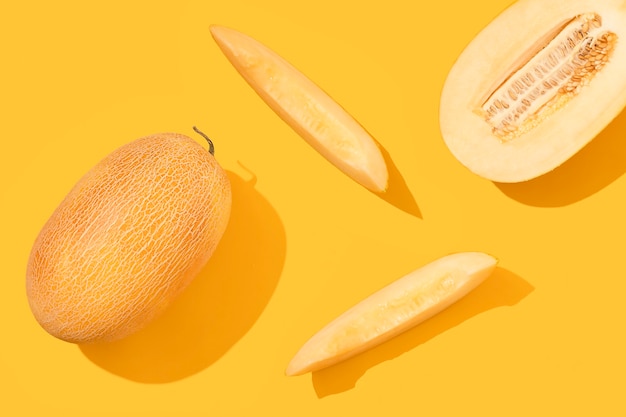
304	106
535	86
394	309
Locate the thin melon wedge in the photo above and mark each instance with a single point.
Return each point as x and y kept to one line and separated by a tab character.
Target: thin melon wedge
394	309
304	106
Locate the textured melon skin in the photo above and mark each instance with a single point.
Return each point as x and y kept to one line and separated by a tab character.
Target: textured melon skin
129	237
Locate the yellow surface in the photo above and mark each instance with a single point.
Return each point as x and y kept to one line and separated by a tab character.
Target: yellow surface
542	336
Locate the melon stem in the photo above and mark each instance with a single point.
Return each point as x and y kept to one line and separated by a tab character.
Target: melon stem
211	146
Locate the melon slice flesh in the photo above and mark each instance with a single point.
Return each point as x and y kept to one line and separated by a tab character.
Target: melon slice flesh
535	86
394	309
304	106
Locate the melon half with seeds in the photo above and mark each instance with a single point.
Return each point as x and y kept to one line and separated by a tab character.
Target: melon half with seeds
127	239
535	86
394	309
306	108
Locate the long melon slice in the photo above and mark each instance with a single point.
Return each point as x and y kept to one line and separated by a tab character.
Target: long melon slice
394	309
304	106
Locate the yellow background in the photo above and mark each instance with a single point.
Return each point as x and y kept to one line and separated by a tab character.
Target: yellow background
542	336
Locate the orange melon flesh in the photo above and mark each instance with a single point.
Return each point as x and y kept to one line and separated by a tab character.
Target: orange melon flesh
394	309
304	106
535	86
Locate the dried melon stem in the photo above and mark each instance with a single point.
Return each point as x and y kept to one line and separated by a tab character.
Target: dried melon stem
550	78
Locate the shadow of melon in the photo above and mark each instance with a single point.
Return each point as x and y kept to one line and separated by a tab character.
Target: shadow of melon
219	306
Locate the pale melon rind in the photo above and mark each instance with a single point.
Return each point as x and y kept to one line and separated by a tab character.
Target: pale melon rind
394	309
485	61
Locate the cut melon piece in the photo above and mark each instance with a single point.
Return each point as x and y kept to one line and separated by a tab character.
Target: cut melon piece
394	309
535	86
304	106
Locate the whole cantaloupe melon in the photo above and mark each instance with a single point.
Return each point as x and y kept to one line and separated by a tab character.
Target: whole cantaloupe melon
128	238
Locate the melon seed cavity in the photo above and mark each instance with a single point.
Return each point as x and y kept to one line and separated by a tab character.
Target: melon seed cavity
553	76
